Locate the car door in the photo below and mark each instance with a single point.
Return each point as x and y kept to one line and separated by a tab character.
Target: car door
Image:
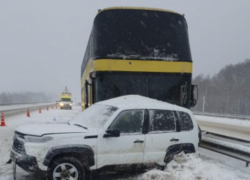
162	133
188	129
129	146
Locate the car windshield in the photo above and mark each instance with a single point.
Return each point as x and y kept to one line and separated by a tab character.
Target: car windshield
66	99
94	117
171	88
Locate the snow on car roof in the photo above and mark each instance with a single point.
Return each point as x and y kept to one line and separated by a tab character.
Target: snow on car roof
141	102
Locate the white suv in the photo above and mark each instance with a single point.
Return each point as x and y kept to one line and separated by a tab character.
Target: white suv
122	132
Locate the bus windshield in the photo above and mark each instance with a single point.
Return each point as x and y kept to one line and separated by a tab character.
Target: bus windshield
172	88
141	34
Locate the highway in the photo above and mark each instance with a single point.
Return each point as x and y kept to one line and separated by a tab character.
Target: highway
217	125
10	110
235	127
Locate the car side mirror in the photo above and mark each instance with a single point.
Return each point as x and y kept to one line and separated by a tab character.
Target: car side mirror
112	133
194	95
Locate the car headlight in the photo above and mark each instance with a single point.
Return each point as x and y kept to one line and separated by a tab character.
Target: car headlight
61	104
35	139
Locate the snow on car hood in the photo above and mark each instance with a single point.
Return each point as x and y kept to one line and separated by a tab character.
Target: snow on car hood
42	129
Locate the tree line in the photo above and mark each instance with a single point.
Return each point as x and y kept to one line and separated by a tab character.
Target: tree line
227	92
25	97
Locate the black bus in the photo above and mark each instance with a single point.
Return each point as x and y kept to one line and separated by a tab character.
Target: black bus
140	51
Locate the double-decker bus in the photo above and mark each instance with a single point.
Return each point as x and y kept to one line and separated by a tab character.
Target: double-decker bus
142	51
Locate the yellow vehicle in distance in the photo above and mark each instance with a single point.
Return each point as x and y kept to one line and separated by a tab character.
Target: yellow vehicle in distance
66	102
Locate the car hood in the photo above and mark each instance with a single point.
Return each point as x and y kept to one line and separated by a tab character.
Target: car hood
42	129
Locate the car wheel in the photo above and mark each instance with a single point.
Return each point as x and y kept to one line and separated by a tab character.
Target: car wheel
66	168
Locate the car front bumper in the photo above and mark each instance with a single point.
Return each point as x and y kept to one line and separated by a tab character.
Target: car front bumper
66	106
21	158
24	161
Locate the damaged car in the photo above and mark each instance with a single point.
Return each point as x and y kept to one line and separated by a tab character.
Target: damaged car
121	132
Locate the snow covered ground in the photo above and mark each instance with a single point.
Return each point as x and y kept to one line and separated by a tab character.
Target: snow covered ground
195	167
204	165
12	122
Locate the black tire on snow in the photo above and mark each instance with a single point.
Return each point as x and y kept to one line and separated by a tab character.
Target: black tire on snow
71	160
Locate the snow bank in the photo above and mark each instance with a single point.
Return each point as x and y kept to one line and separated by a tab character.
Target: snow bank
158	175
192	167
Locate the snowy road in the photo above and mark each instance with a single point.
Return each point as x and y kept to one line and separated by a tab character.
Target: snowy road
206	166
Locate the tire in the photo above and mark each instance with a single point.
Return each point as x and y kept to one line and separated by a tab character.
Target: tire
60	167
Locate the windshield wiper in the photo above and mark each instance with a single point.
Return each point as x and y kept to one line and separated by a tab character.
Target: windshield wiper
80	126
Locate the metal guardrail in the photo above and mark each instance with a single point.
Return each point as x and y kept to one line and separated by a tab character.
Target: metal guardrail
31	107
11	104
226	151
232	116
230	151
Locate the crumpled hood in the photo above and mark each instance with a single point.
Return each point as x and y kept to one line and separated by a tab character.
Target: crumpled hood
42	129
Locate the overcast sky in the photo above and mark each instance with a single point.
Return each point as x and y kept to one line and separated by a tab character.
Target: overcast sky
42	42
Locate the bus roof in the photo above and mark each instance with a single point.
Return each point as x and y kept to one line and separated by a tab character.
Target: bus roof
138	8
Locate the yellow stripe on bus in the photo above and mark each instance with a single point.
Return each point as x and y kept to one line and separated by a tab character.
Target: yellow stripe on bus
142	66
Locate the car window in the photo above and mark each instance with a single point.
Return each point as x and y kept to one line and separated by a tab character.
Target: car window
162	120
186	122
130	121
